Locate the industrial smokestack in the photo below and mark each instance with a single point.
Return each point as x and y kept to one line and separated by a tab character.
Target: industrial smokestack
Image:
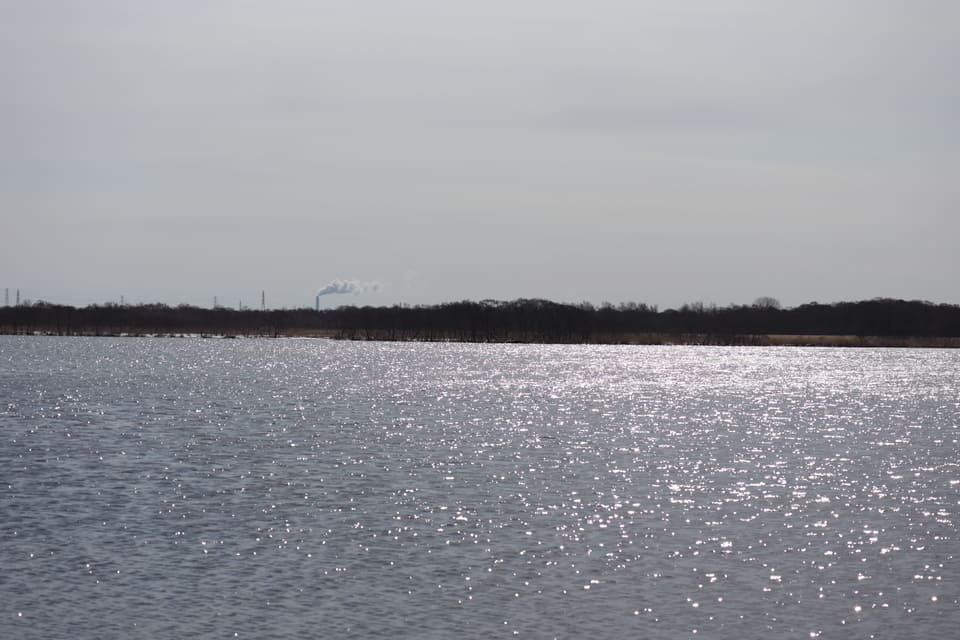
346	286
349	286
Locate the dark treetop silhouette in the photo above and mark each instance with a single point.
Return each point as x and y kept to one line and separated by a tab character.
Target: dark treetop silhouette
869	322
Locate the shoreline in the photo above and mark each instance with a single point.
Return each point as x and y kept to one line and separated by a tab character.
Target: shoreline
635	339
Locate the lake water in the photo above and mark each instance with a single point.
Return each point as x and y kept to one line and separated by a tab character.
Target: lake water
188	488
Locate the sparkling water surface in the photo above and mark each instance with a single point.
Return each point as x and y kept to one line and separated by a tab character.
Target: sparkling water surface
189	488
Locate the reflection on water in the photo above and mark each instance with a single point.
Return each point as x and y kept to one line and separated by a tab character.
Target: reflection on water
200	488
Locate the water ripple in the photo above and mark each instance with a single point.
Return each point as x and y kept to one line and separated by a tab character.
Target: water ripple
277	488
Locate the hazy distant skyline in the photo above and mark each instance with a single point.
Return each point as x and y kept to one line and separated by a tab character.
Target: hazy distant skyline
658	152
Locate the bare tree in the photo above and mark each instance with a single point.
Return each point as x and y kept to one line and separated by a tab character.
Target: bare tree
766	302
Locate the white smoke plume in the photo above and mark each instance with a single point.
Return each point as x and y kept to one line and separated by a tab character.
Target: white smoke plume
349	286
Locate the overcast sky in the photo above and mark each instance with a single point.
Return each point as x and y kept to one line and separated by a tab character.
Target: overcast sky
611	150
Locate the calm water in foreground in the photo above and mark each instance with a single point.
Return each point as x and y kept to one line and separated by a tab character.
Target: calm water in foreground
187	488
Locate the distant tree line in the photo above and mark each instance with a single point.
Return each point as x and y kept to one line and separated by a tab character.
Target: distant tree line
524	320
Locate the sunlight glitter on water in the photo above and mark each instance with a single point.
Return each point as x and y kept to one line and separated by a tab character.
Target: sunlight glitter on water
371	489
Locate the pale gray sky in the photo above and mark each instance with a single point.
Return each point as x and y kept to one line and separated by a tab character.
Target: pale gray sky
613	150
